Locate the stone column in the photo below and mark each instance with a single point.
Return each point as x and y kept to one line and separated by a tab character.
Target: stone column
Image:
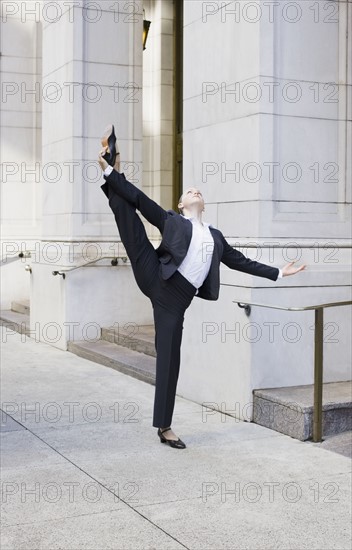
20	142
158	105
92	73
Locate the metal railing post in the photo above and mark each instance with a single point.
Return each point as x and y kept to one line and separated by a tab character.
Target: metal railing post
318	374
318	354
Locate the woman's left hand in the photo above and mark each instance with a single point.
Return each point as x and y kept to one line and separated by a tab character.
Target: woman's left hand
289	269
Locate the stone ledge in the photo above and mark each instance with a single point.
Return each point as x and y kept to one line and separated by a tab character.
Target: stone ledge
143	340
18	322
289	410
21	306
135	364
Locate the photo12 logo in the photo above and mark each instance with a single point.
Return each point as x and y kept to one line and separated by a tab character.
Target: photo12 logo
270	11
69	92
272	91
69	492
70	11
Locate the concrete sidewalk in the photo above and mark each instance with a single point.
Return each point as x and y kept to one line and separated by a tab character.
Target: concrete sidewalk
82	467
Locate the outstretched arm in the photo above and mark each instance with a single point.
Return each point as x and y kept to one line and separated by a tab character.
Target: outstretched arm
236	260
117	183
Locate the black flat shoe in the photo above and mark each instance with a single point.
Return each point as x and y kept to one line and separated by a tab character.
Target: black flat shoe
109	140
176	443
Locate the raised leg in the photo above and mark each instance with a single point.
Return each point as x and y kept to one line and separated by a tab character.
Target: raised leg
144	259
118	184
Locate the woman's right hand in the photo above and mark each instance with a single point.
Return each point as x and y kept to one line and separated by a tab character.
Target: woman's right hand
102	162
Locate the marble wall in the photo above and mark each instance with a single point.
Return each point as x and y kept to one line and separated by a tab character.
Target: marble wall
267	107
91	75
158	98
267	137
20	141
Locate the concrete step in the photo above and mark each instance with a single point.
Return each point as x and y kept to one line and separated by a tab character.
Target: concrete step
19	322
289	410
21	306
121	358
135	337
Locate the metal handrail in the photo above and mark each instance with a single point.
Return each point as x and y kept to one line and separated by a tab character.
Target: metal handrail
9	259
253	244
114	262
318	353
305	308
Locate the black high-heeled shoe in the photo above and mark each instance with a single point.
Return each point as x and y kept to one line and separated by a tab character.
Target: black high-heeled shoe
109	140
176	443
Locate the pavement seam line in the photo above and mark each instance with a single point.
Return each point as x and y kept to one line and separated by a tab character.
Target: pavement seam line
109	490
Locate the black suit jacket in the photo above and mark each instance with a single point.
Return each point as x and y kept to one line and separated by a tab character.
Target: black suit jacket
176	233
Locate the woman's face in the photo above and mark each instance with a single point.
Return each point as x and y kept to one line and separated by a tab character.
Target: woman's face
191	197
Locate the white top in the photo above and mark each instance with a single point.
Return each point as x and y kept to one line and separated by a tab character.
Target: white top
196	264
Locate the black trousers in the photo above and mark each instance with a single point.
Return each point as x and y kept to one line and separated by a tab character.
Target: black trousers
170	298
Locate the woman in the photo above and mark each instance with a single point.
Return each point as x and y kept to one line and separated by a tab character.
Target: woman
186	264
